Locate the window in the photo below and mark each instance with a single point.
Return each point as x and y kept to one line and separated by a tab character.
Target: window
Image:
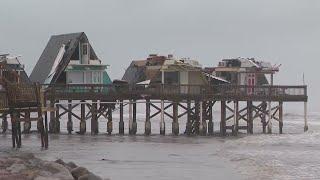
96	77
84	49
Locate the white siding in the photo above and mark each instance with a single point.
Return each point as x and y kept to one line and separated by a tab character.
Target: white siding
88	77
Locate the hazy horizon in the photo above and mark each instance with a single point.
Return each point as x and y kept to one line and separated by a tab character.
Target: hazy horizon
284	32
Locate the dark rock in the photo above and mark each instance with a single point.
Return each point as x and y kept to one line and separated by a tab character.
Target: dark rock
78	172
71	165
60	161
89	176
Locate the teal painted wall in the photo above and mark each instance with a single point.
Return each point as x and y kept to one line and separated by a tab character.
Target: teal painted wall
106	78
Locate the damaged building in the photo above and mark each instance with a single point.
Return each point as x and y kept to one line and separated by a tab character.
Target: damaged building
11	64
69	59
244	71
169	70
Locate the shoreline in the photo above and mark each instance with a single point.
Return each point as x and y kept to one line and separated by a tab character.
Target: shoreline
25	166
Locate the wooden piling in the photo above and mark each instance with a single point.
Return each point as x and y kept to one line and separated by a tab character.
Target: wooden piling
70	123
249	117
121	123
205	117
162	122
83	126
130	117
263	116
188	125
14	129
280	117
269	118
210	118
109	116
46	131
305	117
18	124
94	118
175	123
147	130
196	122
134	118
4	123
223	118
202	119
235	118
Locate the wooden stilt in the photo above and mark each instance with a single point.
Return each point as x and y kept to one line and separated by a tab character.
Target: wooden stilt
197	118
235	118
263	116
305	117
14	129
4	123
46	131
83	126
210	118
19	143
188	125
175	123
134	118
269	118
130	118
223	118
121	123
94	119
109	123
162	123
280	117
202	119
69	123
249	117
205	117
147	131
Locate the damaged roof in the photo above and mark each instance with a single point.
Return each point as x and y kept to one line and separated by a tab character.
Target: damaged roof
51	51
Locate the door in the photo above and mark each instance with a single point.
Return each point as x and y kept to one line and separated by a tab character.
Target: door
251	82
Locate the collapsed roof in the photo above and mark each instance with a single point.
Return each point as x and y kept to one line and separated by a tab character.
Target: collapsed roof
47	60
247	64
150	69
12	63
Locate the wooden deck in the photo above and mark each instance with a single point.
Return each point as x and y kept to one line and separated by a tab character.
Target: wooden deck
177	92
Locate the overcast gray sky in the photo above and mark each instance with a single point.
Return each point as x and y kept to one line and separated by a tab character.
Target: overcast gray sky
281	31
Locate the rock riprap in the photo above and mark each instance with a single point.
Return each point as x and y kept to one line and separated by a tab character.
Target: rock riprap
27	167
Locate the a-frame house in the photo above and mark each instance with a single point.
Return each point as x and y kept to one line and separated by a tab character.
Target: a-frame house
69	59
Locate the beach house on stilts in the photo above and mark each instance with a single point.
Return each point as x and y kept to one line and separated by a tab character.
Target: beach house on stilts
69	59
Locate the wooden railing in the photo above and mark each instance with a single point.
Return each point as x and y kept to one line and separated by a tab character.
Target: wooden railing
22	95
159	91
